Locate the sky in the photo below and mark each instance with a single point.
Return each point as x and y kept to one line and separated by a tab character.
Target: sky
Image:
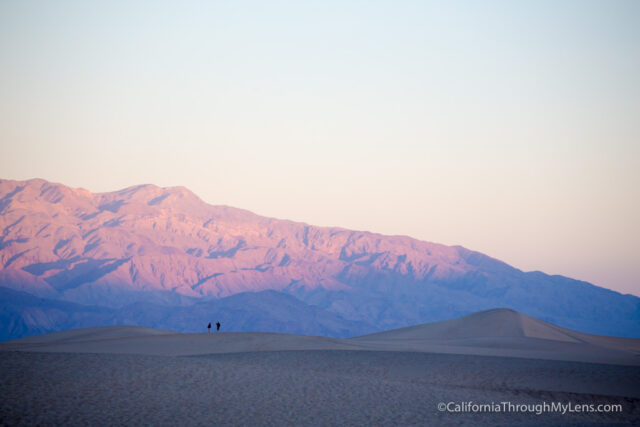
508	127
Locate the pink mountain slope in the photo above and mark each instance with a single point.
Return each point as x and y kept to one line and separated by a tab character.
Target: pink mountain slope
166	246
151	238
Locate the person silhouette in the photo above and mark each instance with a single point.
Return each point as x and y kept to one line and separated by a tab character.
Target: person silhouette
209	327
218	326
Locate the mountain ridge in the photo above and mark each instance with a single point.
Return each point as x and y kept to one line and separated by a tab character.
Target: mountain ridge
165	245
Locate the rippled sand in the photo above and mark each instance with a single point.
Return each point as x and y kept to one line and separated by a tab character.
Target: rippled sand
310	387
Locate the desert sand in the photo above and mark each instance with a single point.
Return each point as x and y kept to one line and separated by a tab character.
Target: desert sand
133	375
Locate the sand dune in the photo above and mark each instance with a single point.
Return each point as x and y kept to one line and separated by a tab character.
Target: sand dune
499	332
91	334
132	340
499	322
127	375
505	332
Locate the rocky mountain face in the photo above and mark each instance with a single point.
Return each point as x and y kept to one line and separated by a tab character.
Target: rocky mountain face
155	250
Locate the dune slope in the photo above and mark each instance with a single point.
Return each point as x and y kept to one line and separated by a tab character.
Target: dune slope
498	332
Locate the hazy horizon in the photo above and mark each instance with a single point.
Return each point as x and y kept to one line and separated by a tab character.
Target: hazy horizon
510	128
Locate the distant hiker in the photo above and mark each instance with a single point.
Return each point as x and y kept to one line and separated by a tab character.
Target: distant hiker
218	325
209	327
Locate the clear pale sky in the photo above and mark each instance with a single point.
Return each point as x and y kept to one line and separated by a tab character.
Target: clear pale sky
508	127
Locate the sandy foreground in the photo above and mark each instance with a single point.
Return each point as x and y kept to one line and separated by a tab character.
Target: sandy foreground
518	367
308	387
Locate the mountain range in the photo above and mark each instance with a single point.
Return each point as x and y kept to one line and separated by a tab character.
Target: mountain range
163	258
